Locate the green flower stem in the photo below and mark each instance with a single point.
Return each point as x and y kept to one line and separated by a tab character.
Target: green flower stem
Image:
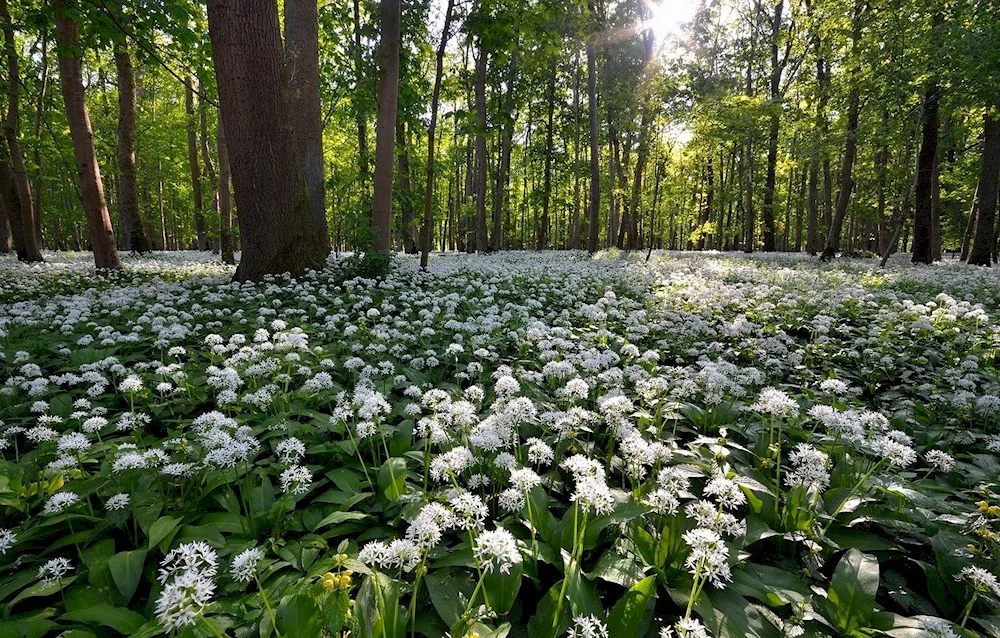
856	487
968	609
267	604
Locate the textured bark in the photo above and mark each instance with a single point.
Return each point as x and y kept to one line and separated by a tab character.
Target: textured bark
302	65
272	202
480	165
989	174
133	236
406	229
29	240
225	201
431	133
922	216
192	144
6	241
359	109
501	195
102	237
550	98
574	241
36	189
595	153
206	160
385	128
767	210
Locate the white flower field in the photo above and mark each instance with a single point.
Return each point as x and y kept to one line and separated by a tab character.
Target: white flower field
518	444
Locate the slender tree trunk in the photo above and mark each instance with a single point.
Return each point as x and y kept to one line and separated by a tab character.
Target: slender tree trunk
225	202
881	170
767	210
989	174
36	151
922	219
133	236
405	191
6	241
302	66
574	242
102	237
501	196
276	228
970	227
480	161
358	95
595	152
431	132
206	160
386	125
192	142
31	250
543	228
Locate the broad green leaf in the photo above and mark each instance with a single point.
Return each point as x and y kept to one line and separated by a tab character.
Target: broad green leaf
162	530
122	620
634	610
126	570
297	615
851	599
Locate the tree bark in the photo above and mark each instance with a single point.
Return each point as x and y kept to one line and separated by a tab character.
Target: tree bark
102	237
225	202
31	251
6	243
190	125
595	152
480	161
767	210
431	133
989	174
385	129
302	66
405	191
500	195
206	160
133	236
357	97
36	188
543	228
272	202
922	216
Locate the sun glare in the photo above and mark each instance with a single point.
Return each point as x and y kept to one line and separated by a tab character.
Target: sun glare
669	16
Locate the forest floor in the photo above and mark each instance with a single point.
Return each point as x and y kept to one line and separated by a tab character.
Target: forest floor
522	444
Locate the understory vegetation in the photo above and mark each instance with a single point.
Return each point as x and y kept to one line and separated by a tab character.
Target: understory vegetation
543	444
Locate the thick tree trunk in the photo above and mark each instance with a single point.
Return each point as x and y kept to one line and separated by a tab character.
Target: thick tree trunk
225	202
133	236
431	132
922	217
595	152
190	125
272	202
405	191
36	152
480	161
302	66
767	210
102	237
989	174
385	129
6	241
29	240
501	196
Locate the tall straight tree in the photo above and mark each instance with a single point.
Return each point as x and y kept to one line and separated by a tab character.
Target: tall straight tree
595	152
385	127
302	65
425	247
989	175
190	124
480	157
225	201
102	236
922	251
850	141
777	67
272	202
29	241
133	236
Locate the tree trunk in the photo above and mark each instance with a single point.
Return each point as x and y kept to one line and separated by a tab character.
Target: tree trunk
225	202
6	243
989	173
595	152
36	151
302	67
881	170
133	236
767	210
922	217
385	128
480	161
543	228
431	132
272	202
102	237
206	160
31	251
192	143
500	195
358	95
574	242
405	192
